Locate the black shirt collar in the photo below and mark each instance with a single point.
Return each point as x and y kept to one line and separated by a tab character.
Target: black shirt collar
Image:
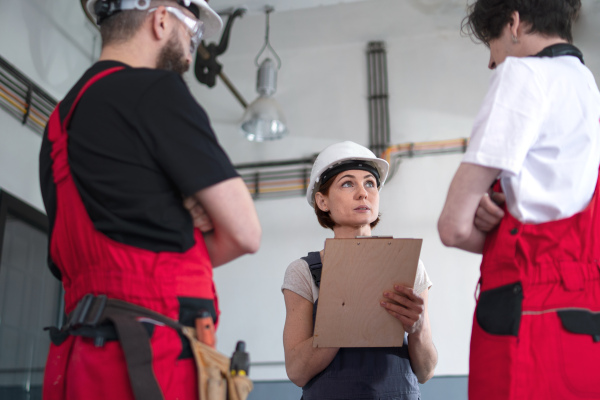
561	49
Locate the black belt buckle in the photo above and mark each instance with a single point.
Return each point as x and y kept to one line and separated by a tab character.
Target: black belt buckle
88	311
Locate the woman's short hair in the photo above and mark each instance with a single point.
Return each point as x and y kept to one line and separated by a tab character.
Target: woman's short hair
323	217
486	18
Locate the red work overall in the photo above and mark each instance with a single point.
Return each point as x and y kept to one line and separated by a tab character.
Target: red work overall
536	330
90	262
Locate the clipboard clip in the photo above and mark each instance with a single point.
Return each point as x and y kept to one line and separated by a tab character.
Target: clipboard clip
373	237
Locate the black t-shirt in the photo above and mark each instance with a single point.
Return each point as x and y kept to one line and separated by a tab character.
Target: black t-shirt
138	143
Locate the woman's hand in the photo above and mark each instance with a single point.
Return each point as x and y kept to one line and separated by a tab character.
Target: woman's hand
411	309
405	305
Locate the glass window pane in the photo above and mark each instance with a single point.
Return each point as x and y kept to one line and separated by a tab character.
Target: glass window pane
29	301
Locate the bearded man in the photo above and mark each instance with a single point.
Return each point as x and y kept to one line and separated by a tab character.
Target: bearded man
123	152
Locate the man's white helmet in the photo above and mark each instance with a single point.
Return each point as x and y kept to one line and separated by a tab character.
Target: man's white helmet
212	21
338	155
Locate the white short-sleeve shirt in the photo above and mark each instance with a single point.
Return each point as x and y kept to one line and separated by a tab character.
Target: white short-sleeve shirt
540	124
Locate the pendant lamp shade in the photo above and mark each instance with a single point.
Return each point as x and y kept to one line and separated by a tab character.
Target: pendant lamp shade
263	119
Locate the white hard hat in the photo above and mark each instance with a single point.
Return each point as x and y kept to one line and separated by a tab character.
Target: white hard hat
341	154
212	21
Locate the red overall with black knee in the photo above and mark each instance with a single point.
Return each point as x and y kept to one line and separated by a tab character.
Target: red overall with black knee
536	329
90	262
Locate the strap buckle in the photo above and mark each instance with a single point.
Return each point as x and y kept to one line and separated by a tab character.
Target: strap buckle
88	312
316	274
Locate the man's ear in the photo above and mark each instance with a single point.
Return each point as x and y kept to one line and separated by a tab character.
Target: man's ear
160	22
321	201
514	24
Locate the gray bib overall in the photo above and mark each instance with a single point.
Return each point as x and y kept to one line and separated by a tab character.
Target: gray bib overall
382	373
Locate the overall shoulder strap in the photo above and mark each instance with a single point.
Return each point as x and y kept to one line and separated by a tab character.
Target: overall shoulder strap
57	130
314	264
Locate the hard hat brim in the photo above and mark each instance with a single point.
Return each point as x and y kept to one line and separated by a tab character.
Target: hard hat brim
314	184
212	21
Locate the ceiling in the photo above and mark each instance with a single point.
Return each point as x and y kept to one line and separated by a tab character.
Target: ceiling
258	6
305	32
437	76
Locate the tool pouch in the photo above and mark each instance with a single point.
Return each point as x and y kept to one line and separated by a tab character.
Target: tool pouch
214	379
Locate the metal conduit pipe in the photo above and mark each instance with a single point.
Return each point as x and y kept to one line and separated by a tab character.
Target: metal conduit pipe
379	119
23	99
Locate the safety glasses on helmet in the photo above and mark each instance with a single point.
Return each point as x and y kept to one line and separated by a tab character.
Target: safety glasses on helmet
194	26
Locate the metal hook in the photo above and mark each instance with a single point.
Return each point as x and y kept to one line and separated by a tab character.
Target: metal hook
267	44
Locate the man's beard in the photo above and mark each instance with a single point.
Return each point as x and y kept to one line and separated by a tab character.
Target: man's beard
172	56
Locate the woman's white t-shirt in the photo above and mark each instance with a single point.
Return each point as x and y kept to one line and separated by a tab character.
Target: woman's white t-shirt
299	280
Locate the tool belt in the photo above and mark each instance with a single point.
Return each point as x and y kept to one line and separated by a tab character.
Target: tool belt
104	319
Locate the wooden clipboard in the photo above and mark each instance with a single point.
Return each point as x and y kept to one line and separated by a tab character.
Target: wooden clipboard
355	274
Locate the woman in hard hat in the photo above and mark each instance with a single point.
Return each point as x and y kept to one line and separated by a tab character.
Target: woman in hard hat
344	192
536	329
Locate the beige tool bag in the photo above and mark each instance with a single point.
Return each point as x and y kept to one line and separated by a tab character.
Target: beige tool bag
214	378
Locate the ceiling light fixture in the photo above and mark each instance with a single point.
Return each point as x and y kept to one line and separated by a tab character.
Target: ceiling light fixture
263	119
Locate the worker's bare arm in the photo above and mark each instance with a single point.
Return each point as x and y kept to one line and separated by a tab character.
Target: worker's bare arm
456	224
302	360
235	227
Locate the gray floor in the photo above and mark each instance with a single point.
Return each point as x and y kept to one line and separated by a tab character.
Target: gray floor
442	388
18	393
438	388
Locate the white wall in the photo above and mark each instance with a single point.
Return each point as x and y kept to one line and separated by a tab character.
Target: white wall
436	78
52	44
18	160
